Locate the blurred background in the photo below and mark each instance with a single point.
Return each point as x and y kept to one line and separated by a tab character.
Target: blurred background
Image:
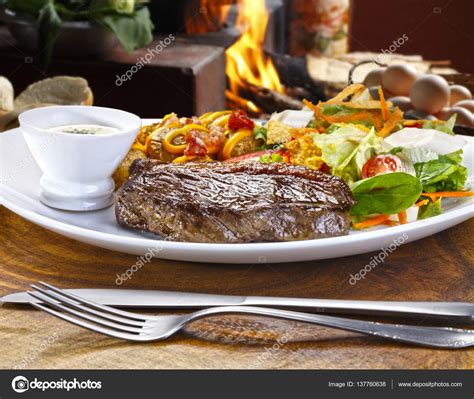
191	56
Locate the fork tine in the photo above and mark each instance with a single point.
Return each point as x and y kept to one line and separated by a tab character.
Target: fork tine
96	305
89	326
61	298
82	315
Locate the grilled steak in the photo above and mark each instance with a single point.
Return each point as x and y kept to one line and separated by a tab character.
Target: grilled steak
233	202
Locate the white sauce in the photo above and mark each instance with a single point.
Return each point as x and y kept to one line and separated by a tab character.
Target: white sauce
98	130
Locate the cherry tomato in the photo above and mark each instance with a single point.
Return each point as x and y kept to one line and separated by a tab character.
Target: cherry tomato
381	164
324	168
240	120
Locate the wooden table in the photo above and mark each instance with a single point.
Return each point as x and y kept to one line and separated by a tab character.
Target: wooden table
436	268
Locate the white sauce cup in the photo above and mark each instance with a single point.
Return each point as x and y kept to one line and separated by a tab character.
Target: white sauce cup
77	168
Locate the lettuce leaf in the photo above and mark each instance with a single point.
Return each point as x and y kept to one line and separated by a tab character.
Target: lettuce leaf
443	174
446	127
260	133
333	109
347	149
430	209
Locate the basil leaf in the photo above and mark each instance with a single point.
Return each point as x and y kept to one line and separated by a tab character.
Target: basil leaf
133	31
49	25
430	209
388	193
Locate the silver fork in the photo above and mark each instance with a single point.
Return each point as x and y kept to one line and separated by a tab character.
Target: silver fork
143	328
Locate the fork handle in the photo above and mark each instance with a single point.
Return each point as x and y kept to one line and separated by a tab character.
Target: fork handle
441	337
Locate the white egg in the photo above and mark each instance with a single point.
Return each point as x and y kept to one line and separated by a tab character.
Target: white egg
374	77
458	93
399	78
443	115
416	114
374	92
430	93
401	102
467	104
464	117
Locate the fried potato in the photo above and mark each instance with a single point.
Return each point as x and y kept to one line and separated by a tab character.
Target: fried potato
121	173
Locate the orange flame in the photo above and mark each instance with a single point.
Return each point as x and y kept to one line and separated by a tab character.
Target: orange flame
246	62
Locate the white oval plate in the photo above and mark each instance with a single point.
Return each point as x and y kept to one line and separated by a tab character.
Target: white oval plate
19	189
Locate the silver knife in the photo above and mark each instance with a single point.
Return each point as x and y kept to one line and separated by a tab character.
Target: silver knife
187	300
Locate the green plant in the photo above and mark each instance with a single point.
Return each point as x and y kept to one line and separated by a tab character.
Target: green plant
129	20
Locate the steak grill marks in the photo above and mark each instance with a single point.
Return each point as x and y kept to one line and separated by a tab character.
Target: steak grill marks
233	202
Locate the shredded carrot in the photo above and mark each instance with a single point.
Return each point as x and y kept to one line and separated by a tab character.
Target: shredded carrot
448	194
422	202
391	123
402	217
384	105
390	223
375	221
378	122
368	105
357	116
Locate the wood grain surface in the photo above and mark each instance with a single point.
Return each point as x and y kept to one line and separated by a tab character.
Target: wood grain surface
439	267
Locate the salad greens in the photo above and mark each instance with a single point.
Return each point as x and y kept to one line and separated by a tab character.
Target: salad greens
260	133
267	158
388	193
129	20
446	127
430	209
333	109
442	174
347	149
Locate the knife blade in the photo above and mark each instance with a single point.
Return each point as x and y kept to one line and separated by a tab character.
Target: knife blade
187	300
